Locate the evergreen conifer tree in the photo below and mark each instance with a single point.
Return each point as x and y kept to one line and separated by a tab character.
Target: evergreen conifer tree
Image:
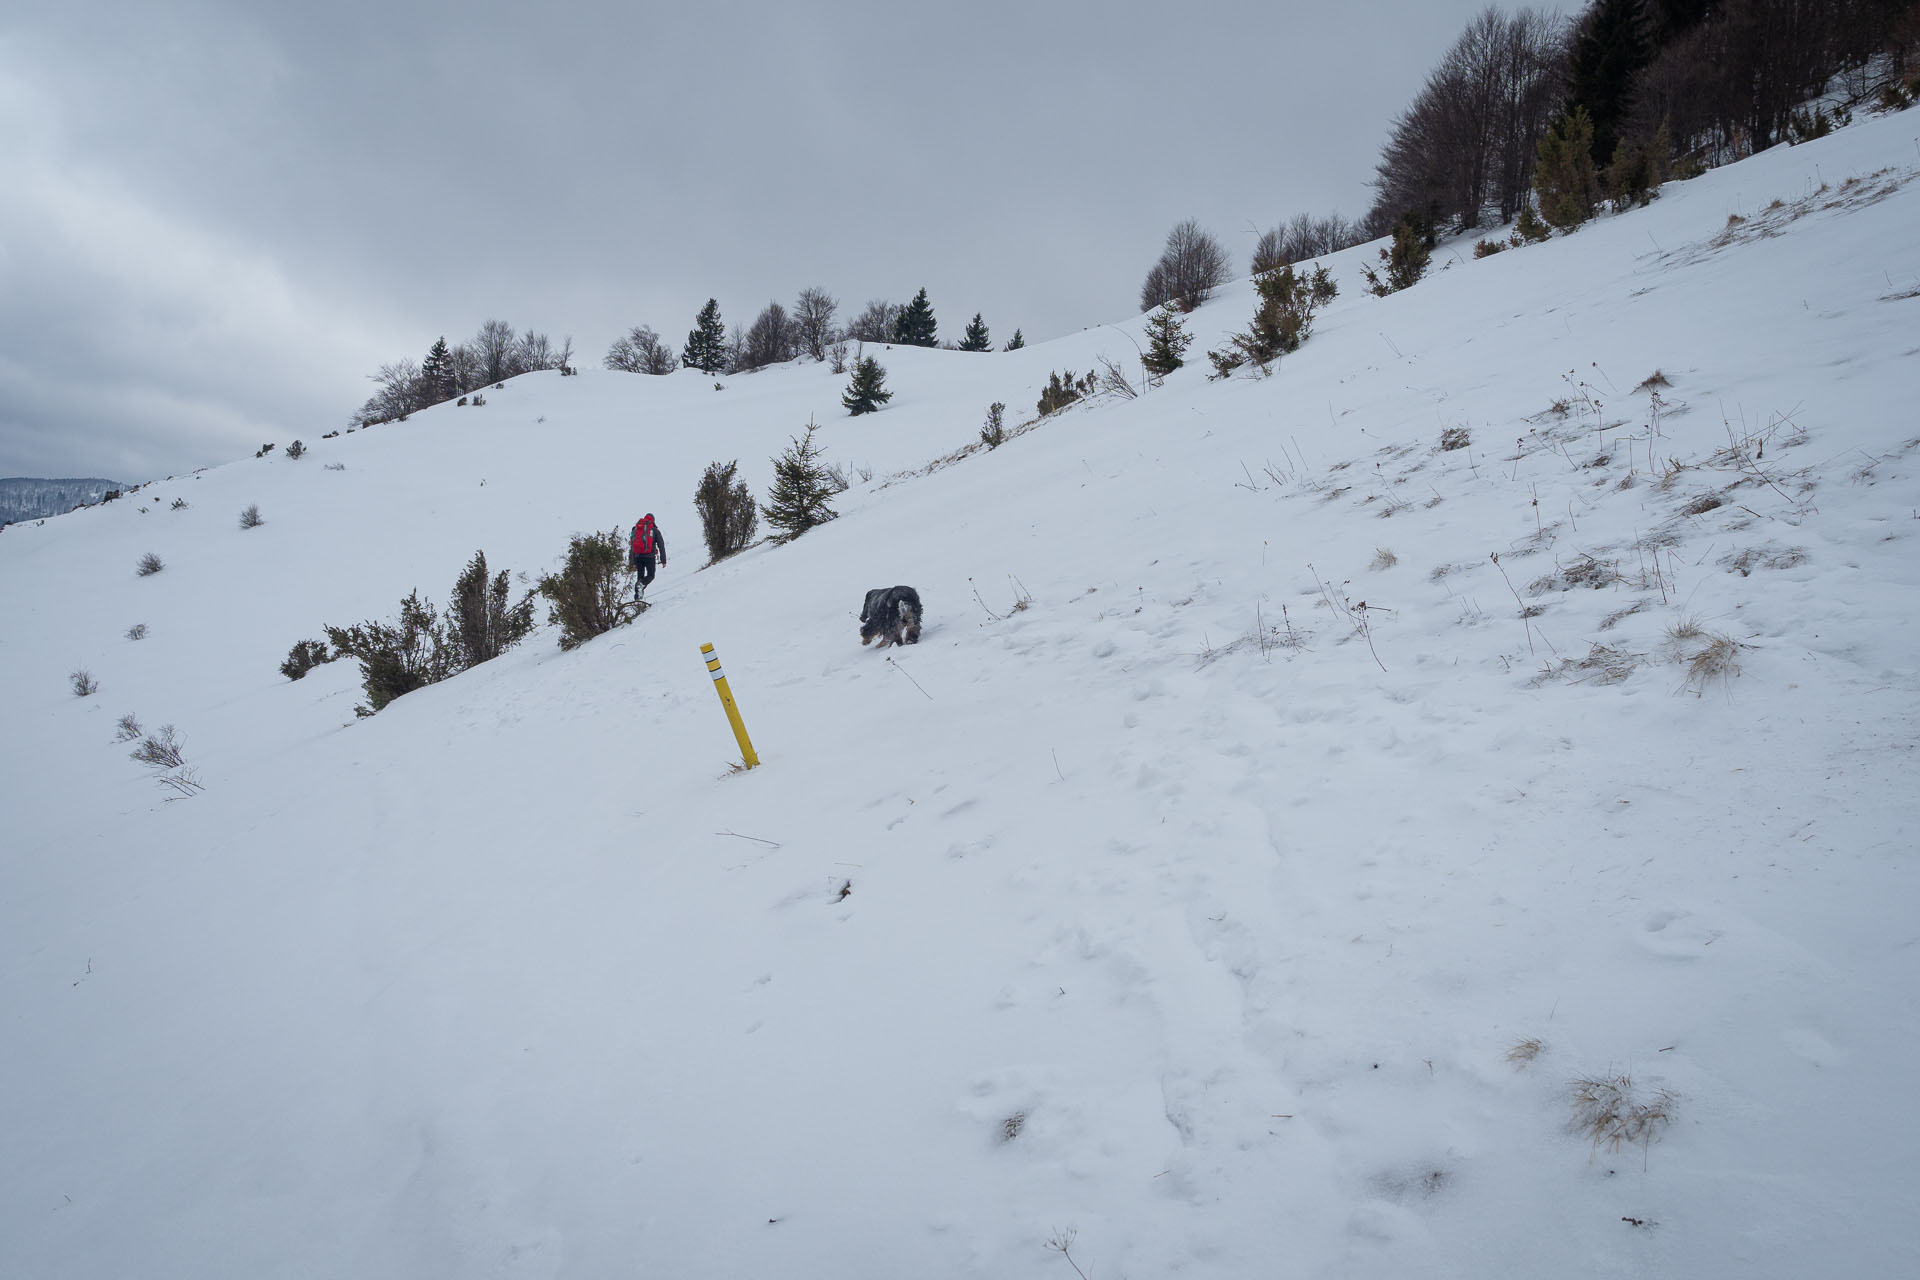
1609	49
1167	340
976	338
801	489
867	392
436	374
915	327
1016	342
1563	174
706	348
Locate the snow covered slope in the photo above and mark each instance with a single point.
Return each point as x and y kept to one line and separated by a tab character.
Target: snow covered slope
1164	903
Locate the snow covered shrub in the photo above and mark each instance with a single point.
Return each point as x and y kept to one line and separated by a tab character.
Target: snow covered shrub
149	565
1062	390
251	517
138	631
837	357
1406	260
478	399
1284	318
160	750
1383	558
296	450
1528	228
397	658
1638	167
728	516
84	685
1455	438
304	657
586	595
179	504
1486	248
264	450
481	621
801	489
127	728
993	433
1224	363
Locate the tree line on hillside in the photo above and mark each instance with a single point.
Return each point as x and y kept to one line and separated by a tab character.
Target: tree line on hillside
1527	118
1537	120
494	354
809	328
1651	88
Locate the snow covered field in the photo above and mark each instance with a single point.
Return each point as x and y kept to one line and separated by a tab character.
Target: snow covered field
1163	902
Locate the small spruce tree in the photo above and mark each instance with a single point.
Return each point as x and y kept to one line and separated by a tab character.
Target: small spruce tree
976	338
1563	173
706	348
801	491
1167	341
867	392
916	327
1016	342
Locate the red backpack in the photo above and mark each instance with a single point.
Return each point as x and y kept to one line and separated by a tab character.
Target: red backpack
643	537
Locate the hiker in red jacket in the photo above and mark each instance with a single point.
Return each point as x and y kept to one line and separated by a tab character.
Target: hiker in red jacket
647	542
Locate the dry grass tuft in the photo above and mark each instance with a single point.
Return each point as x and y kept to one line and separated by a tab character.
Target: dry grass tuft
1383	558
1602	665
1701	505
1654	381
1716	660
1683	629
1608	1111
1010	1127
1613	619
1524	1052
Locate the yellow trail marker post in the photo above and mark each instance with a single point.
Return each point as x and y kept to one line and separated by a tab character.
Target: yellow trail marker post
726	700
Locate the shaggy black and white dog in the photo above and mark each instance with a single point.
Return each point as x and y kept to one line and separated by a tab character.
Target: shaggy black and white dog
891	615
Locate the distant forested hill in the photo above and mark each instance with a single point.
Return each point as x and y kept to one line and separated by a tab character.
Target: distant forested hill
27	498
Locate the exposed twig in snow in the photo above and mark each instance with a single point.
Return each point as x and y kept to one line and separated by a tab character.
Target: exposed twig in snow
903	671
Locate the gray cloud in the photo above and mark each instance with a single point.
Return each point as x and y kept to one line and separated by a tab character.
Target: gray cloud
221	217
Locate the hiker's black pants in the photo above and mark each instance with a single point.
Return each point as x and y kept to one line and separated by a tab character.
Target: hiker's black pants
642	565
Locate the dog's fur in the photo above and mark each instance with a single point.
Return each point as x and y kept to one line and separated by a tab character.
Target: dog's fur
891	615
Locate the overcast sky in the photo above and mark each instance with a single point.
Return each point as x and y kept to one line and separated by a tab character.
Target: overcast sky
217	218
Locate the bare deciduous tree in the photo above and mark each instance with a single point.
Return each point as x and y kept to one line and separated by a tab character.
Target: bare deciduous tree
640	350
875	324
813	314
1190	268
771	340
1465	145
1304	238
494	347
